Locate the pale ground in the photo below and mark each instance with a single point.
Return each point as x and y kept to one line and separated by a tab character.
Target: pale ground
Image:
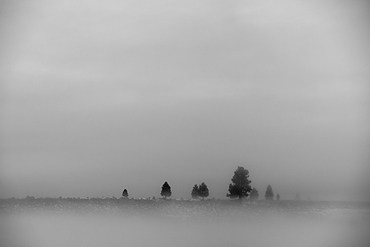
329	227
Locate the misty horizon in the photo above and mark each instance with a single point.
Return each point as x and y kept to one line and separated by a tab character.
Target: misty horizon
98	97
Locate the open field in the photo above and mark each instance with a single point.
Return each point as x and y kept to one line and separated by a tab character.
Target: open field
126	222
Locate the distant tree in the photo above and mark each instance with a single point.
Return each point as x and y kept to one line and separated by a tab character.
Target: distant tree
124	193
166	190
297	197
240	186
254	194
277	197
269	193
203	190
195	192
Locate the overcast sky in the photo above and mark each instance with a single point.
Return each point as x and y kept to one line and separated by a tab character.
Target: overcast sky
98	96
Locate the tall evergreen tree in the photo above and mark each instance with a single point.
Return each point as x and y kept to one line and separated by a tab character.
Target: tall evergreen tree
240	186
269	195
166	190
203	190
124	193
254	194
194	192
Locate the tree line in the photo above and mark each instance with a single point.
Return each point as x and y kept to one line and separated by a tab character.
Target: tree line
239	188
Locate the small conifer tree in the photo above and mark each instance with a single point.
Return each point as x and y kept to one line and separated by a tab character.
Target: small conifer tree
203	190
269	193
125	193
194	192
166	190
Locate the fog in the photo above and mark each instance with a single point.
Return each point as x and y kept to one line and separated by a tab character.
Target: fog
188	225
97	97
101	96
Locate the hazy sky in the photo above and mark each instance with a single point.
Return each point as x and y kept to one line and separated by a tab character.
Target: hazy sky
98	96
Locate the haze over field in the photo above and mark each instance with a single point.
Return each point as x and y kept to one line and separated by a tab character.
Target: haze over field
216	223
101	96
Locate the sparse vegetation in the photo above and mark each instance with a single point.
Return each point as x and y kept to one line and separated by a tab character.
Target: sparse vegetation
134	218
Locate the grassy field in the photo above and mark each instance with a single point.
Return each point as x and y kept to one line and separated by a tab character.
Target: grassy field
127	222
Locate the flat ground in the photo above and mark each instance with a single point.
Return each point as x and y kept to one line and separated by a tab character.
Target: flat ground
127	222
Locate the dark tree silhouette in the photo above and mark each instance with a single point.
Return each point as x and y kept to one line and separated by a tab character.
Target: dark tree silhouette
125	193
269	195
277	197
203	190
240	186
194	192
166	190
254	194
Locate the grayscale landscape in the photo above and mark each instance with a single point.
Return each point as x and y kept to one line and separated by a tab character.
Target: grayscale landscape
211	123
128	222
